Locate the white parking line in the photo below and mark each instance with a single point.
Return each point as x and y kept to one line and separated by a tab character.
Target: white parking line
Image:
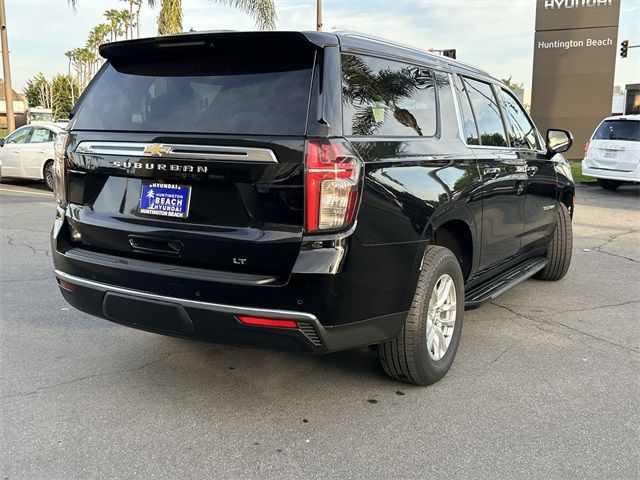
26	192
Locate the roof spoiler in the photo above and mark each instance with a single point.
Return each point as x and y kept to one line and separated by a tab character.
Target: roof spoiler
218	40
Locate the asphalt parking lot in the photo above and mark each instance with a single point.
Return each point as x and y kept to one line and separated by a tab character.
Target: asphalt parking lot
546	383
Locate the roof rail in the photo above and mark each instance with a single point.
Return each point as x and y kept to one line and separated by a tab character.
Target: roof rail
404	46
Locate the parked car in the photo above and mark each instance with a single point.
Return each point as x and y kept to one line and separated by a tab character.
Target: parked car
352	192
28	153
612	155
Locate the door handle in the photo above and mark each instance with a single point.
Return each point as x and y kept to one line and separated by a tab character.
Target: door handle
40	151
532	170
492	171
15	151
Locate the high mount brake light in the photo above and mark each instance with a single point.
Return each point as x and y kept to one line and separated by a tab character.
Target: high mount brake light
332	179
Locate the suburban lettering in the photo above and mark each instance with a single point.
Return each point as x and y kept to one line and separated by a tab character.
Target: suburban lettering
161	167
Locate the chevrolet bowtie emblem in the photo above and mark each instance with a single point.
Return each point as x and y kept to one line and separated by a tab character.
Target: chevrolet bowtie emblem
155	149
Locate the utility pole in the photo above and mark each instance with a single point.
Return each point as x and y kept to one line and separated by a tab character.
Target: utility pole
8	92
318	15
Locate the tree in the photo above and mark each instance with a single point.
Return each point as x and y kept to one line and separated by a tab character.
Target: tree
85	61
128	20
97	36
170	18
263	13
135	16
58	94
38	92
115	23
69	55
66	91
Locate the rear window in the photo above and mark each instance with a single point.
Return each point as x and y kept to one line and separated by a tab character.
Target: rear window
240	93
618	130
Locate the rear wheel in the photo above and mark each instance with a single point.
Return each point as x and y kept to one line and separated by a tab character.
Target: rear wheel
560	249
609	184
424	350
47	173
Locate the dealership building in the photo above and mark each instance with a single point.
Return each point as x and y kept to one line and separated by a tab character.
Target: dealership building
575	51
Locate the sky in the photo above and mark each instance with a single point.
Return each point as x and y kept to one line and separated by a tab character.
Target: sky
495	35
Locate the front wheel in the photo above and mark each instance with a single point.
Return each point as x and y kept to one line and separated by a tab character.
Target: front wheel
48	175
560	248
609	184
424	350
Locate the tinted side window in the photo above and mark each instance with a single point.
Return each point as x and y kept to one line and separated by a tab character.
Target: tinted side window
448	117
468	121
384	97
487	113
522	133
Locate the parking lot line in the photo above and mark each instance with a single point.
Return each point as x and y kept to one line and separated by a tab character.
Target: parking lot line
26	192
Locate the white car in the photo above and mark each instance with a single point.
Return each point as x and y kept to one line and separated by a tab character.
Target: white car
613	153
28	153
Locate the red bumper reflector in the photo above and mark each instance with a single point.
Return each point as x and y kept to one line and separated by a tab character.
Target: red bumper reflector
69	287
267	322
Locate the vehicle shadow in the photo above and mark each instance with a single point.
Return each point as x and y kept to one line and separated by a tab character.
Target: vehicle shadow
27	185
210	369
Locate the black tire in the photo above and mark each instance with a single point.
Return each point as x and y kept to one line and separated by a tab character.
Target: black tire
560	248
47	173
609	184
406	357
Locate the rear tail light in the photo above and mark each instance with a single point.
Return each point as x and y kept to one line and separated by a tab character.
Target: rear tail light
586	148
332	181
59	173
267	322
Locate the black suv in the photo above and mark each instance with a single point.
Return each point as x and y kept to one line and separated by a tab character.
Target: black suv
304	191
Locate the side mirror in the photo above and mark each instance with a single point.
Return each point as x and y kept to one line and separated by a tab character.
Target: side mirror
1	142
558	141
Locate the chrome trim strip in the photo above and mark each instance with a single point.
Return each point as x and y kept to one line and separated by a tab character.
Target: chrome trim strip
165	150
214	307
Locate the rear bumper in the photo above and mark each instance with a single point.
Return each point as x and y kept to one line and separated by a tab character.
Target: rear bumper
343	295
218	322
609	174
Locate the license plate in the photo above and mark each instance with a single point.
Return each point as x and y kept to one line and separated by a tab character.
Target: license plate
165	200
610	153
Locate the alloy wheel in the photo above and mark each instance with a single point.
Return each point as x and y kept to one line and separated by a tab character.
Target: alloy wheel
441	316
48	176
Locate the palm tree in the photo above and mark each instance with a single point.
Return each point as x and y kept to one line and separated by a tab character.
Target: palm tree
102	31
135	16
170	17
115	23
97	36
263	13
128	20
84	63
69	55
